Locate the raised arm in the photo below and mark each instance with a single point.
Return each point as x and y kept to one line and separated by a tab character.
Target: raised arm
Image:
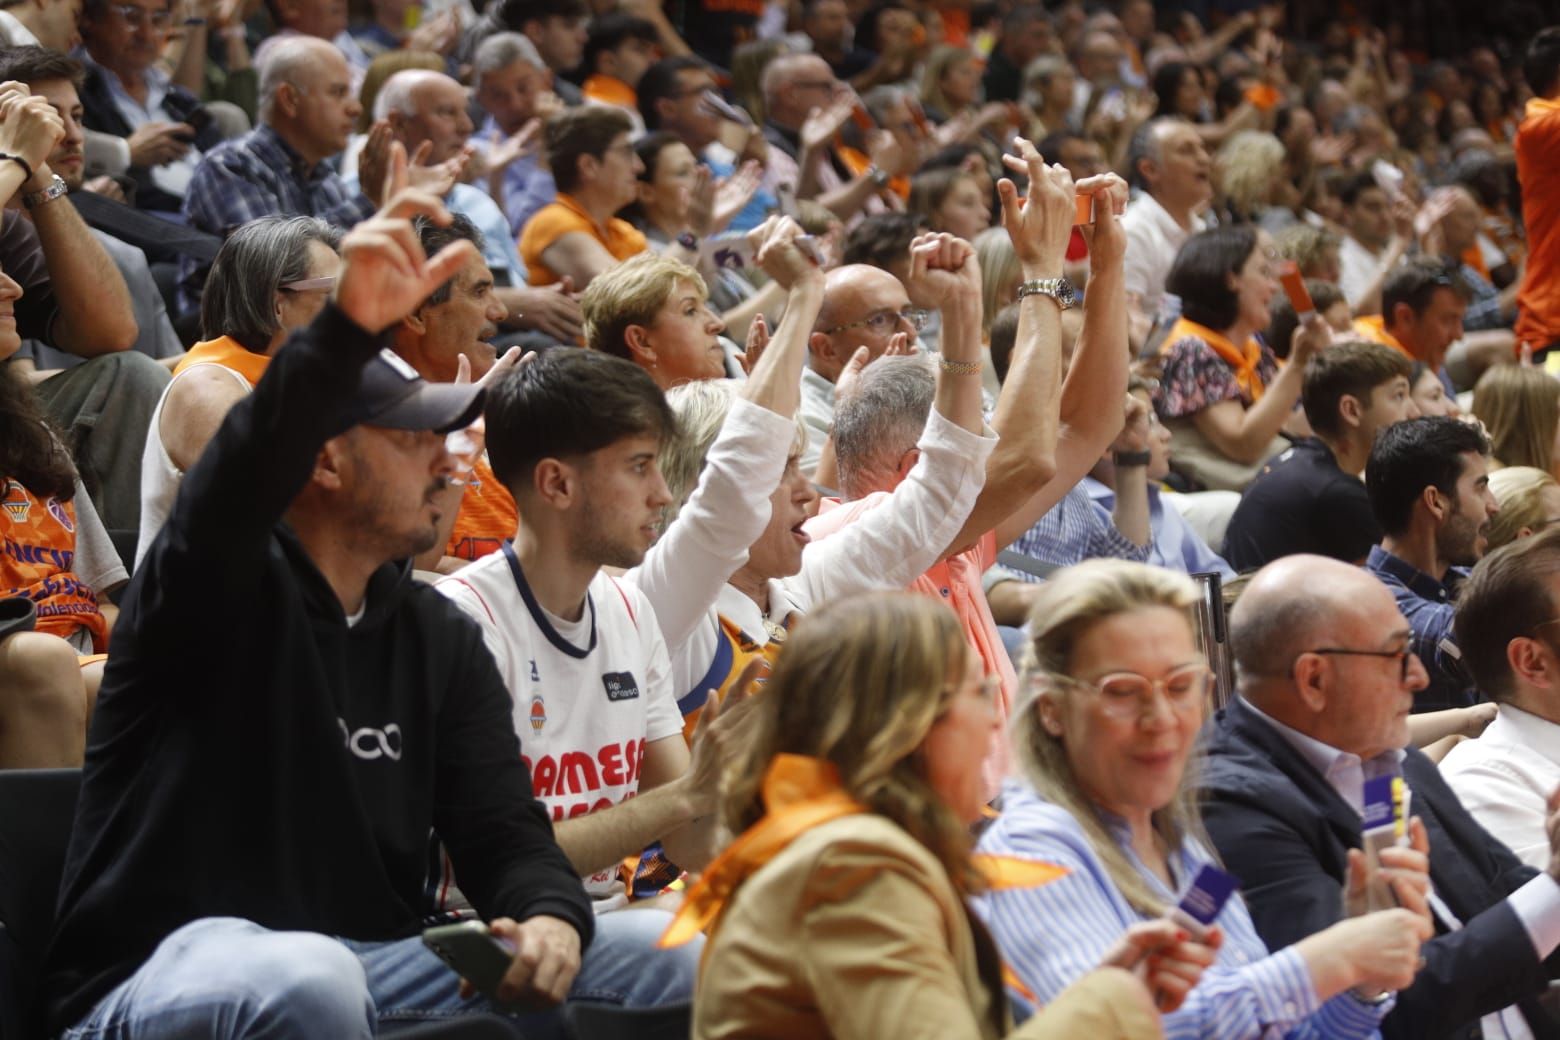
1243	433
683	572
1091	405
267	446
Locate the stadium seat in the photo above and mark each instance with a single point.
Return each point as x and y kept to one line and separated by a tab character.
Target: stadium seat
36	810
609	1022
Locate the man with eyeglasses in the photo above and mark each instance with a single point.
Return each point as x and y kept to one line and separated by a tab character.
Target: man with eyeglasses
128	94
1327	677
1508	625
1428	482
672	96
1050	438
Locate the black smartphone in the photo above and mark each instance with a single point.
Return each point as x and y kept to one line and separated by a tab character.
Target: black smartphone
473	953
198	119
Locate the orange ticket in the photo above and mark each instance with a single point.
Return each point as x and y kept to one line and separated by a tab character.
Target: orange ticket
1294	287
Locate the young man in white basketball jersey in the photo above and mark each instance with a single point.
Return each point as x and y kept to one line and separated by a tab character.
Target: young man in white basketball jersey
573	434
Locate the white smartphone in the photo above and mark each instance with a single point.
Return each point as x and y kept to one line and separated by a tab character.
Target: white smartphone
473	953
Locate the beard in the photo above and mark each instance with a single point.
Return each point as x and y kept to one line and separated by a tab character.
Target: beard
596	542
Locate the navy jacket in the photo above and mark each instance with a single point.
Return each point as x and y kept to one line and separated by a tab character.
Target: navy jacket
1282	829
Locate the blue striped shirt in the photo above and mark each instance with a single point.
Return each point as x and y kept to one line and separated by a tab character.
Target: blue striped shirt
1076	529
1053	935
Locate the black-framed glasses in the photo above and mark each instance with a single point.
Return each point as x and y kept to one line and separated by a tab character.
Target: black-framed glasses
884	322
1402	656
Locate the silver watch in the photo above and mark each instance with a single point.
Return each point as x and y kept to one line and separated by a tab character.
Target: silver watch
56	188
1058	289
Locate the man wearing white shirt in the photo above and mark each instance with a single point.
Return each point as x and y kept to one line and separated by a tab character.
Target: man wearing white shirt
1379	235
1506	629
1172	166
1326	678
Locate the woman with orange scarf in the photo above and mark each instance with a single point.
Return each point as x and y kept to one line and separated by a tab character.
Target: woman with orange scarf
841	910
1222	392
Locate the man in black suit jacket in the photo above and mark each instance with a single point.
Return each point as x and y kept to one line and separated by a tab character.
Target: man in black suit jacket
1326	682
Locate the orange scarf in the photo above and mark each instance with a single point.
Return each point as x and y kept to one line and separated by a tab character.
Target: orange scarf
1244	360
1374	328
229	353
801	793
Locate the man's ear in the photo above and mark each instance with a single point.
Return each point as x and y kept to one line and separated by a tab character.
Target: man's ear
1311	674
637	339
1435	503
330	465
1530	663
589	168
822	347
1351	411
414	321
555	483
287	99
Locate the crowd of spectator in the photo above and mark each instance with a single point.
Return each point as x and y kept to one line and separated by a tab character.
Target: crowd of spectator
731	506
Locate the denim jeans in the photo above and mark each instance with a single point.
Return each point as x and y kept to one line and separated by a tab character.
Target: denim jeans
223	977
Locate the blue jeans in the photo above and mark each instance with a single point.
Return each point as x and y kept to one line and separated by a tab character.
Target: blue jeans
224	977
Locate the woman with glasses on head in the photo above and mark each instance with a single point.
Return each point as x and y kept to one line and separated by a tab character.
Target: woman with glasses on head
271	276
1222	392
840	911
1116	690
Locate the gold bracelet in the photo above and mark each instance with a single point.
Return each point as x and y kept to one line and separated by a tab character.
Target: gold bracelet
959	368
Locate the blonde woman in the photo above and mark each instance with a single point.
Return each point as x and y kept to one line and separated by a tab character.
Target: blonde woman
840	911
1116	692
1248	168
1520	407
1529	502
950	83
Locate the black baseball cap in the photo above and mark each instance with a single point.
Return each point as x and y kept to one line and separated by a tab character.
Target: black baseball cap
390	393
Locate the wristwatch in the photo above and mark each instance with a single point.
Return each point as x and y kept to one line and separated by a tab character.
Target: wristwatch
689	241
1058	289
56	188
1132	458
879	177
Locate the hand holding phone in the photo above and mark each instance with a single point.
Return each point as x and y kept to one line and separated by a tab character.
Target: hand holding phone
523	965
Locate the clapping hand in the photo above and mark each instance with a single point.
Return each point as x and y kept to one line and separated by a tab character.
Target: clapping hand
385	273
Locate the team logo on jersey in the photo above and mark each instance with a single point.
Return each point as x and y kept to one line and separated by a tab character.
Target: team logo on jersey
620	686
60	513
538	712
16	502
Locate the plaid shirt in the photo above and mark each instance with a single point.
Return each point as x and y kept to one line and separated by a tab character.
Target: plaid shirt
1076	529
1427	606
260	175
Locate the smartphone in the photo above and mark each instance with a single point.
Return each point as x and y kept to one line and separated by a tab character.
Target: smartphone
473	953
198	119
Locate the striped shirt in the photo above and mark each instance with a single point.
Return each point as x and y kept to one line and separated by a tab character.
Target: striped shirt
1053	935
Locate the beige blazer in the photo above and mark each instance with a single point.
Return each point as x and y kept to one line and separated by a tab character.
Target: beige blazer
855	931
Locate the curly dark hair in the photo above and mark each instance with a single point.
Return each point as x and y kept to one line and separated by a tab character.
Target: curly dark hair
31	450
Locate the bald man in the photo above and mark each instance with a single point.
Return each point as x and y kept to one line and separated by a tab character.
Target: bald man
1326	682
307	110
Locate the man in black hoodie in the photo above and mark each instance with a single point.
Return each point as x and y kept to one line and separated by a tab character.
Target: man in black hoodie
287	716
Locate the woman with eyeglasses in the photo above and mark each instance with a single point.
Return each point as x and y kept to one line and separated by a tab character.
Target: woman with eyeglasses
1116	690
841	909
271	276
1222	392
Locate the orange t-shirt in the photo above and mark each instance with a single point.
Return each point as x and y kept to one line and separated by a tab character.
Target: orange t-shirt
1538	168
37	548
488	515
227	352
609	90
559	218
